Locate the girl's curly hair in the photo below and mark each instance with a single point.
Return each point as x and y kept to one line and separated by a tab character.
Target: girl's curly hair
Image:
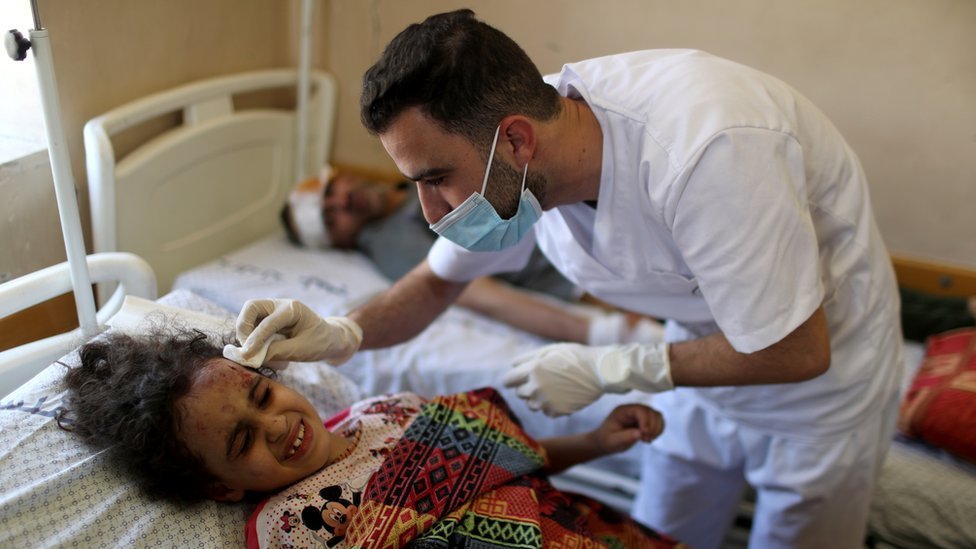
124	395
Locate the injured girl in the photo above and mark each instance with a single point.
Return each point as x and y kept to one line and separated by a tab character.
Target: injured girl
386	472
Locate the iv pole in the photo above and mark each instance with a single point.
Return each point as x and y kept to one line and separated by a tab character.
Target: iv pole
64	185
301	110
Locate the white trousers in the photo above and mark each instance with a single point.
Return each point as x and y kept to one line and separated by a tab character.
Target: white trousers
810	492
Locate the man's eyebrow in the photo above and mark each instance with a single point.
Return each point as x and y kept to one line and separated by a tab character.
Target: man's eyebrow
240	424
427	174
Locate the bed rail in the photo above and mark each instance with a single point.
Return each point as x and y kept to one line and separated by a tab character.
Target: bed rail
133	275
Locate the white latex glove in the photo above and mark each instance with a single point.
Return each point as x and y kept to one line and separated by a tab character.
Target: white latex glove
562	378
612	328
287	330
255	356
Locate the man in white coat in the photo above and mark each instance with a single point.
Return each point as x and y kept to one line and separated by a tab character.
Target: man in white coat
675	184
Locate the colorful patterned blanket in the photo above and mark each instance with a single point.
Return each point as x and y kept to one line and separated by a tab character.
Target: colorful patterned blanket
466	475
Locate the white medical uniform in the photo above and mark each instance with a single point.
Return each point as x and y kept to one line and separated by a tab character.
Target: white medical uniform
729	202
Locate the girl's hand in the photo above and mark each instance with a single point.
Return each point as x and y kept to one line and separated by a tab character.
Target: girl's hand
627	424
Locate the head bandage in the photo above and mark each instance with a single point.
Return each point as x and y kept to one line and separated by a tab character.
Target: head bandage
305	202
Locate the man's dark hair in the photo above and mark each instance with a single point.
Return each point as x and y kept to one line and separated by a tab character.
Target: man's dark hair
124	395
464	74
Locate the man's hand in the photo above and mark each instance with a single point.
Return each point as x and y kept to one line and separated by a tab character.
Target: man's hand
562	378
287	330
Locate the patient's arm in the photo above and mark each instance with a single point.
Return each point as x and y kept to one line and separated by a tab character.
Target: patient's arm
523	310
625	425
408	307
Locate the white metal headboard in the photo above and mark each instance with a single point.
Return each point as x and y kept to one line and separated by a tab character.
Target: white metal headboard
210	185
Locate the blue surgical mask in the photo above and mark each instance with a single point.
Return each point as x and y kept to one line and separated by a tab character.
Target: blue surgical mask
476	226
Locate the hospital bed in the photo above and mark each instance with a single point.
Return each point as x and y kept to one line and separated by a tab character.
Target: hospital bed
191	180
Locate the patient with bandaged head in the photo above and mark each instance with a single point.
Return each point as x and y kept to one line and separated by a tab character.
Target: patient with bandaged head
384	221
193	425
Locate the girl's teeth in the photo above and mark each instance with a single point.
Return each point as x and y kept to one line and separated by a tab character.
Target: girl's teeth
298	439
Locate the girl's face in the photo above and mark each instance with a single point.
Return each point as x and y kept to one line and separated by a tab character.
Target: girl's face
253	433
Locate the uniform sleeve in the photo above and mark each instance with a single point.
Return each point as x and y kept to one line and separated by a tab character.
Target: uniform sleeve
743	225
452	262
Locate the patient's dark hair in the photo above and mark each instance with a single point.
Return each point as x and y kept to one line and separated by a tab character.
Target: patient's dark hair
285	217
124	395
462	73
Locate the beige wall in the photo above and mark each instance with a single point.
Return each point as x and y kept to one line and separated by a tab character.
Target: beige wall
898	77
30	234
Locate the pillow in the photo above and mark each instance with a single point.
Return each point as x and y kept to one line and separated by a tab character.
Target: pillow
56	491
940	406
330	281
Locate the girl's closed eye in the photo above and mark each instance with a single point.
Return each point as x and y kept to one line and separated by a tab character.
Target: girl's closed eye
246	444
434	181
248	437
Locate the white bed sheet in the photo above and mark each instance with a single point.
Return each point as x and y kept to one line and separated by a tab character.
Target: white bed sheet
55	491
461	350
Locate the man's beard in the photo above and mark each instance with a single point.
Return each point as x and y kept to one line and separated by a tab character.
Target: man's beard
504	190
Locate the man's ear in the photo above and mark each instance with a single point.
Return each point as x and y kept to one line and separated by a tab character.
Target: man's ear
220	492
518	133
